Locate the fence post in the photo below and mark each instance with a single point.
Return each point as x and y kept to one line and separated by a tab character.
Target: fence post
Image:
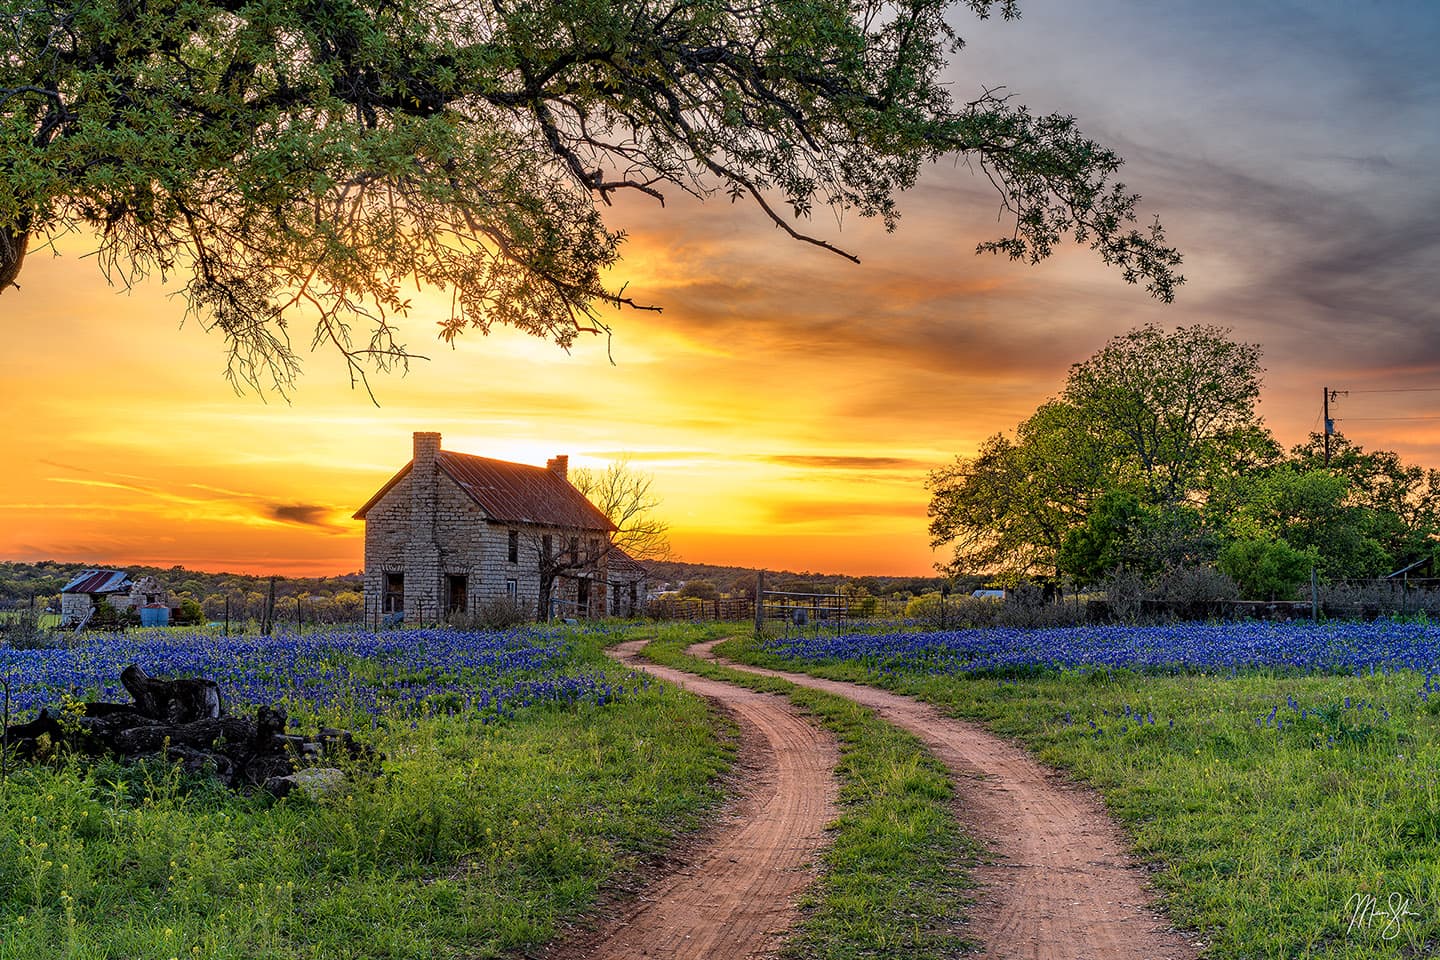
759	603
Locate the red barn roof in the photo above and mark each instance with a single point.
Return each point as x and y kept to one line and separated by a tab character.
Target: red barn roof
511	492
98	581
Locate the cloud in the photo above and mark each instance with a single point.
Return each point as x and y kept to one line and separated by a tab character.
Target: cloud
811	511
304	514
821	462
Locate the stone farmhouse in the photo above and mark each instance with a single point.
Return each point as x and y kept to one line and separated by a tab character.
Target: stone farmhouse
87	590
452	532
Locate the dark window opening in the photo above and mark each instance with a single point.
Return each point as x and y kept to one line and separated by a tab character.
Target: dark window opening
513	550
394	593
594	549
574	549
546	545
634	598
582	595
615	598
456	585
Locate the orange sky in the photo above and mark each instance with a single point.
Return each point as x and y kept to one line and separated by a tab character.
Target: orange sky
788	403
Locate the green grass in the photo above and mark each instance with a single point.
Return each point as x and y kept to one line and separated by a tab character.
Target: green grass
477	840
893	882
1264	838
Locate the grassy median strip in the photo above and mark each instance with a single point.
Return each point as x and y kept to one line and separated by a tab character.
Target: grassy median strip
893	883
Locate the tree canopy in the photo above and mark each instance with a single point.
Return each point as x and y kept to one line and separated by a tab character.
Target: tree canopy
301	163
1153	459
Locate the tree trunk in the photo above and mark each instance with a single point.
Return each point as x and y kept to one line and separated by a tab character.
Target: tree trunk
13	245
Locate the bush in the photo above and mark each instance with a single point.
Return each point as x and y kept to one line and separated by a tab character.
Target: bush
498	614
191	613
1191	585
1026	607
1267	569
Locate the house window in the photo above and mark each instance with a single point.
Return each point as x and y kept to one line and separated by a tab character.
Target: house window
574	549
594	549
615	598
512	589
456	585
394	592
546	545
582	595
634	598
512	551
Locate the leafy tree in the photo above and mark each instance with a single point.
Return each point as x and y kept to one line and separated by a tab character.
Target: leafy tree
1009	509
1166	417
1403	499
1110	537
1166	408
298	163
1266	569
1311	511
191	612
700	590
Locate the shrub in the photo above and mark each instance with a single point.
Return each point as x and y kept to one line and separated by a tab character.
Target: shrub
498	614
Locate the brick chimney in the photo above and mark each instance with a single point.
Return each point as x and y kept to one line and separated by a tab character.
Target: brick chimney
559	465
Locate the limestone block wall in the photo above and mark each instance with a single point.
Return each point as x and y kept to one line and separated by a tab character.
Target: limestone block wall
73	608
430	531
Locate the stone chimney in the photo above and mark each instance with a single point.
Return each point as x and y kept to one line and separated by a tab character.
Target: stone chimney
427	445
560	465
422	554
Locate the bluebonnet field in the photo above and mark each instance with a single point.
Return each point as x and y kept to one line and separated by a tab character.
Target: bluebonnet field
1296	648
326	675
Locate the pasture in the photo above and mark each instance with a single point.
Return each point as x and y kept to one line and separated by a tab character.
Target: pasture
523	770
1282	779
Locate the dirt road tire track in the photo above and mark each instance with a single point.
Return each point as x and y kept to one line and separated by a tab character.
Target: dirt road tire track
733	896
1062	885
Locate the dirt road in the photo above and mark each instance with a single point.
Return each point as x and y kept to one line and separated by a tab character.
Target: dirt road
734	897
1062	885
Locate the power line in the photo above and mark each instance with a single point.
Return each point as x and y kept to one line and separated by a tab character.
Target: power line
1400	390
1357	419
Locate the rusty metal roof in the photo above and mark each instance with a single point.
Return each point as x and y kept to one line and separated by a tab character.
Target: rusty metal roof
511	492
620	564
98	581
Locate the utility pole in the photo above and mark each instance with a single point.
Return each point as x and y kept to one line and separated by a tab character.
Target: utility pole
1325	399
1329	424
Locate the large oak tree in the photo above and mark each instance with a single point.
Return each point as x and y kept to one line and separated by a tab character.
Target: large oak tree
299	164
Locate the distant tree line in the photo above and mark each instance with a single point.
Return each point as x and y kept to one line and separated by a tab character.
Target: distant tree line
336	599
705	580
1153	466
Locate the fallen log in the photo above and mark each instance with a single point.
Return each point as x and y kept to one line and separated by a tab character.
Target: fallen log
185	720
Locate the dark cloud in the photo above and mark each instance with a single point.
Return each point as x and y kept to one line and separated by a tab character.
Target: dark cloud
304	514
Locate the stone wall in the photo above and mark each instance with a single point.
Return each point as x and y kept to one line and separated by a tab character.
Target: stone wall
428	529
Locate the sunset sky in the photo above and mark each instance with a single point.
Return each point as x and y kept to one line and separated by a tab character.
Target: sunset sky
790	403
